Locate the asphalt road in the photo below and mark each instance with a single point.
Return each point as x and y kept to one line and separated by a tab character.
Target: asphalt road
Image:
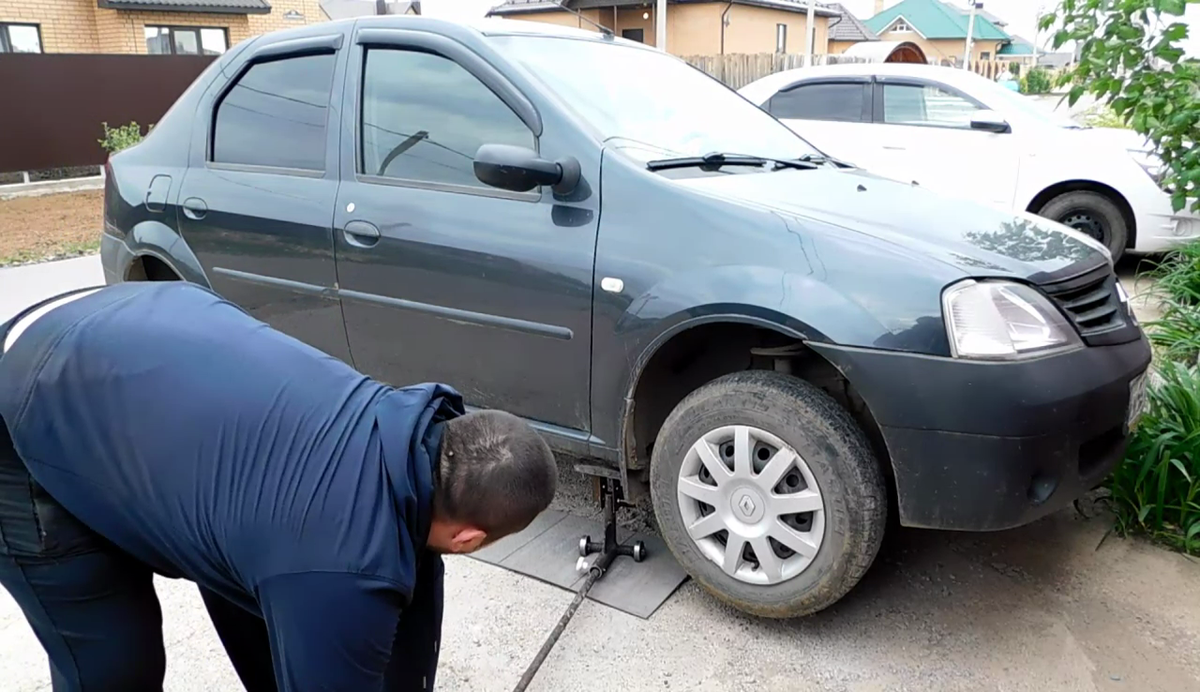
1044	607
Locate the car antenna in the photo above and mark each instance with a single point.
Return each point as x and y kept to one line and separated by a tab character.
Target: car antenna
603	29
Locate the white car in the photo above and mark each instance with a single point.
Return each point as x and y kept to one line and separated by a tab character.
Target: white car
959	134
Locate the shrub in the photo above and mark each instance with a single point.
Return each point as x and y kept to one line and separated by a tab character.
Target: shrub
118	138
1177	277
1157	488
1015	68
1103	116
1036	81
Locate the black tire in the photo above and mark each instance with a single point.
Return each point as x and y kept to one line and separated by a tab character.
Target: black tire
1100	212
837	454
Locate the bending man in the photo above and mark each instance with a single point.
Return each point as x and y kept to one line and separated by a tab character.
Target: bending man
156	428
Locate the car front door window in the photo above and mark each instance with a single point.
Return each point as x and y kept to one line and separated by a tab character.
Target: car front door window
926	104
836	101
424	118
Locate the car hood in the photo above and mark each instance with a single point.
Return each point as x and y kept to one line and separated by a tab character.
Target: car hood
978	239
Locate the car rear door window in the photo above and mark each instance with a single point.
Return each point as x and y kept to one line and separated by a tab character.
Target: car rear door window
424	117
926	104
839	101
275	115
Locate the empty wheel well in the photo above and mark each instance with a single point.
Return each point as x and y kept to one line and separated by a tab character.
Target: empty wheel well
1044	197
701	354
149	268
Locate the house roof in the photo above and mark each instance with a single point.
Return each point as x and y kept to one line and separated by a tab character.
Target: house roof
216	6
511	7
848	27
1018	46
934	19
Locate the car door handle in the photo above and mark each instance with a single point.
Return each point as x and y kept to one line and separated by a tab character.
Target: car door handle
194	208
361	234
892	148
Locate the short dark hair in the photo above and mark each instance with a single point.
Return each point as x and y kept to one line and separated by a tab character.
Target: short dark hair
495	473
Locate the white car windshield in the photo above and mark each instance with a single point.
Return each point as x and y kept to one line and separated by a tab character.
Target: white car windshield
649	104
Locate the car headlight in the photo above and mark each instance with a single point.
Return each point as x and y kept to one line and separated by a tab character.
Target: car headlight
1150	163
1003	320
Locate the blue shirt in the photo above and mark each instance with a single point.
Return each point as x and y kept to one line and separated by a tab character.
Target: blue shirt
217	449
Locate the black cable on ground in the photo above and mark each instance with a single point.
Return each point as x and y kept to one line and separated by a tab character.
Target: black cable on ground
594	573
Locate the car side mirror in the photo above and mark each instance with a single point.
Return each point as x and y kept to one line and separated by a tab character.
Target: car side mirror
520	169
989	121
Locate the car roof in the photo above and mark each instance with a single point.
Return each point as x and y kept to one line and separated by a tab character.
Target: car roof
766	87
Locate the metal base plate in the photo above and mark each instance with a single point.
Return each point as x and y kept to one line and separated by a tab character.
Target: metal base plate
549	548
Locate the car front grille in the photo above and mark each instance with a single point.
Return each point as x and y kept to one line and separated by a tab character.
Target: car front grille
1090	300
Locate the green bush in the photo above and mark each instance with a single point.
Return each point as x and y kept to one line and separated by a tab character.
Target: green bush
1036	81
1015	68
1103	116
1156	490
118	138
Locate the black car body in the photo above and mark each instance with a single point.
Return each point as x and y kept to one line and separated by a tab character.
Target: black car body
600	281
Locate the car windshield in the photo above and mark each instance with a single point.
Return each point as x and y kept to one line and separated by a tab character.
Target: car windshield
649	104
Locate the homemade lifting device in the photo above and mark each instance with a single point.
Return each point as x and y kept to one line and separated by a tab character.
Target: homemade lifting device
612	498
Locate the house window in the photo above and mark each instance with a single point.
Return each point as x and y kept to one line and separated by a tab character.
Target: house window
186	40
985	55
901	27
20	38
781	38
638	35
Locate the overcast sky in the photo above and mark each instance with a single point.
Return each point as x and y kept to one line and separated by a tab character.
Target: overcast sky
1021	15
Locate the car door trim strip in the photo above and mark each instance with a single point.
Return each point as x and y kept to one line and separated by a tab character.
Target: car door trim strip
465	316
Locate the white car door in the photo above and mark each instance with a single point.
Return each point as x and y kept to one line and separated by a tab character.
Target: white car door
925	133
831	113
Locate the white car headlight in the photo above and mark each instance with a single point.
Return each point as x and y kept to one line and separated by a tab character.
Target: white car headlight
1149	163
1003	320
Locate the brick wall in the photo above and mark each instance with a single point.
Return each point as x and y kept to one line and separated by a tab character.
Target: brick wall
67	26
79	26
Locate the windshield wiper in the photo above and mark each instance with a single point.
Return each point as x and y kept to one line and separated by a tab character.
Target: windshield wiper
714	161
824	158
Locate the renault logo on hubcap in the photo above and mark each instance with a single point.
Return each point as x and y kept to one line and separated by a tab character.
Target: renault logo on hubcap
746	505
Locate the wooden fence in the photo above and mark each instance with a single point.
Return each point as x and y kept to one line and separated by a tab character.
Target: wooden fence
738	70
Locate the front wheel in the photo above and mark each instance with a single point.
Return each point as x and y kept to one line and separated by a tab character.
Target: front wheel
767	493
1093	214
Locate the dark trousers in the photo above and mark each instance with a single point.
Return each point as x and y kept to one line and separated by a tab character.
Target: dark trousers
92	607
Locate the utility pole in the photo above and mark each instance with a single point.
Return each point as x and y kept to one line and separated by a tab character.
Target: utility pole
970	33
810	28
660	25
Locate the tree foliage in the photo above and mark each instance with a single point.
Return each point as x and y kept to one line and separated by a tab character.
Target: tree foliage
1129	57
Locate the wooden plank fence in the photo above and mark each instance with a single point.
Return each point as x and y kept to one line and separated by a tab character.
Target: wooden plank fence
738	70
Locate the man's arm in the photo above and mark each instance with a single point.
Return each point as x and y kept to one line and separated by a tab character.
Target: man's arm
330	631
414	662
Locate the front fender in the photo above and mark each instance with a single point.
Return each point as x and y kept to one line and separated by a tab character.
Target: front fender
791	303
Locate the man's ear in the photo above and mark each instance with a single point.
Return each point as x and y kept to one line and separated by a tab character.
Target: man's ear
467	540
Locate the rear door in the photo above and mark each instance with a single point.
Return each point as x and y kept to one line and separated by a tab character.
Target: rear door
924	129
832	114
256	205
443	277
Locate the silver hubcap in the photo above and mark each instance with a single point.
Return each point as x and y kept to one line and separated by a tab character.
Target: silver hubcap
751	504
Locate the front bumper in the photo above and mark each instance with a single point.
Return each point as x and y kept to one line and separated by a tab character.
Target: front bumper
985	446
1159	229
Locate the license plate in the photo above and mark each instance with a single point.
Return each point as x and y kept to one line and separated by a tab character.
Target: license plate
1137	401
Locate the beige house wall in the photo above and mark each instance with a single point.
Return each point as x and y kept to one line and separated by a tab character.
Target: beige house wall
839	47
944	48
79	26
695	29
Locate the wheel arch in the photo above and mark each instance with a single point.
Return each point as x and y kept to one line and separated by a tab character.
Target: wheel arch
748	342
1043	197
153	242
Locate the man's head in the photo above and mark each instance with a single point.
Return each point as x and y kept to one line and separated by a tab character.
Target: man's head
494	476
